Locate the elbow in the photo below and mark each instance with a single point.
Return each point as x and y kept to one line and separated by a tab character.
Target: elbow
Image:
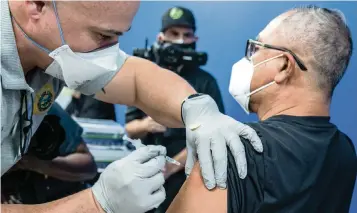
92	172
88	174
89	170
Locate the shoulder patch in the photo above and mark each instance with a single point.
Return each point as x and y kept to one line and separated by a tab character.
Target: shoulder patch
43	99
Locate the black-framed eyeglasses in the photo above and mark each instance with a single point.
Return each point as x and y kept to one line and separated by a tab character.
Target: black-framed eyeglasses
26	111
251	49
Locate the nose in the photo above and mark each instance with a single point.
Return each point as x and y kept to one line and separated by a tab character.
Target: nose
181	36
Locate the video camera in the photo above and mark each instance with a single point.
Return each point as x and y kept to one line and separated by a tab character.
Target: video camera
48	138
171	55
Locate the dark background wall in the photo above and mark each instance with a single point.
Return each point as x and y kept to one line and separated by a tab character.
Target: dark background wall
224	27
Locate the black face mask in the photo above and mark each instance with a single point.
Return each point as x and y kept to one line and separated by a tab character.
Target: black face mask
164	44
191	46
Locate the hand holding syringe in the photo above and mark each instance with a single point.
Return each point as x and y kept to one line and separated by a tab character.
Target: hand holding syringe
137	144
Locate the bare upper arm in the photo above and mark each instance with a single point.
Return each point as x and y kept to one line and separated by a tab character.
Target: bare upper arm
121	89
196	198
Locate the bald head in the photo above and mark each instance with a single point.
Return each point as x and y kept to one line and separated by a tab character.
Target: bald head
86	25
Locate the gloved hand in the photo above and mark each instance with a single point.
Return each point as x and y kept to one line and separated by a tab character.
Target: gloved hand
208	133
133	184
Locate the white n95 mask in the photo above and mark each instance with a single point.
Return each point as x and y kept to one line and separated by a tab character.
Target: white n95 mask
241	78
87	73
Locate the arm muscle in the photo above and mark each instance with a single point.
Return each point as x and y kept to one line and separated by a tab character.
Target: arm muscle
194	197
156	91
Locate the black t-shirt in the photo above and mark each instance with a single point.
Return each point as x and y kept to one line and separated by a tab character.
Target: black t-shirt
174	139
308	165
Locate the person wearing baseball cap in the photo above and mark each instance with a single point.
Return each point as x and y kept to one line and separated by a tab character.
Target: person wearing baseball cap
178	26
178	16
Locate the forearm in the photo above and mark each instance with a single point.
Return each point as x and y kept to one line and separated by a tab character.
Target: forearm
135	129
81	202
74	167
156	91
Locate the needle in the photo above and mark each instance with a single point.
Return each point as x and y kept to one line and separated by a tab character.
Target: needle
173	161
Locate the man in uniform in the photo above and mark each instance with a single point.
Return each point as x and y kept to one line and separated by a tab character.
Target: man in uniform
46	43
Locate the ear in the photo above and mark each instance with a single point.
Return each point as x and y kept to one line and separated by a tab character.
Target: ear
195	38
35	9
286	69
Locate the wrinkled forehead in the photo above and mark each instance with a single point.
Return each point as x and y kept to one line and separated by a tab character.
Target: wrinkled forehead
108	8
111	14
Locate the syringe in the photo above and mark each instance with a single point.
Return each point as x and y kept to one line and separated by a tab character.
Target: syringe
173	161
138	143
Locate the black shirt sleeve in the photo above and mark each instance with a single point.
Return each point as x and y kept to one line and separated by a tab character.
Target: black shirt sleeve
245	195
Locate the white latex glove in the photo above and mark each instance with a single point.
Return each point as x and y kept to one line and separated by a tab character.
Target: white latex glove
208	132
133	184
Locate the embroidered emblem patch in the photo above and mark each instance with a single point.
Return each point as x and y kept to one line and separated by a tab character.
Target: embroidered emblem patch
44	99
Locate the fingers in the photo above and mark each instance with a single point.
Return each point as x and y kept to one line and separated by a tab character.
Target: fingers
155	182
152	167
157	198
248	133
206	163
219	155
238	152
191	156
145	153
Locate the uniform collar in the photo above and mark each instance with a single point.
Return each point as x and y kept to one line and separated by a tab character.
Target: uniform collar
12	75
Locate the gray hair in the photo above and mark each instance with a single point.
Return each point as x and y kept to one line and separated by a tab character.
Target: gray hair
324	39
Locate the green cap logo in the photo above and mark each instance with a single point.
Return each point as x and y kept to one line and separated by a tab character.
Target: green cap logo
176	13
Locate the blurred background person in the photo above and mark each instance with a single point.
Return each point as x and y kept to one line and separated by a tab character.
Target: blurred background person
83	106
50	171
174	49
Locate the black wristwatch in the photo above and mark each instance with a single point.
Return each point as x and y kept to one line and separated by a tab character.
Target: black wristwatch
189	97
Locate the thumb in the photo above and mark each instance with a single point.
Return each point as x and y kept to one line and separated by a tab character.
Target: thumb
145	153
191	159
152	167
